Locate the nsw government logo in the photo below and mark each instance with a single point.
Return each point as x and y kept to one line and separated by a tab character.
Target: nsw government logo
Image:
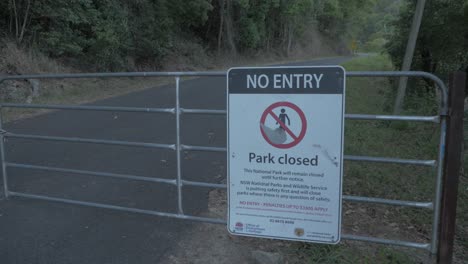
239	226
299	232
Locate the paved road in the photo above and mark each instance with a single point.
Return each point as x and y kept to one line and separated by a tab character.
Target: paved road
33	231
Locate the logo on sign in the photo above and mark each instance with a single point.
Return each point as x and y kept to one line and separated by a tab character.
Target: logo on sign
239	226
299	232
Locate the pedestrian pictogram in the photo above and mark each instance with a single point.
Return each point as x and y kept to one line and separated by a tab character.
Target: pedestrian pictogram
283	136
283	118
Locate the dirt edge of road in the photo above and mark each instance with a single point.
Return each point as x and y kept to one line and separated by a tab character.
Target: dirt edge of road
212	244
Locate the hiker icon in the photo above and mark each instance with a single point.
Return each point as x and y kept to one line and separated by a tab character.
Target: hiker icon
283	118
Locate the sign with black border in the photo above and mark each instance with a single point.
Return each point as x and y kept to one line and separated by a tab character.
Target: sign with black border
285	152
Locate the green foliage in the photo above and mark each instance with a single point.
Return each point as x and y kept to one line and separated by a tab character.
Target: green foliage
110	43
442	42
249	36
375	44
189	13
262	24
104	33
328	19
62	27
378	25
345	18
151	32
107	34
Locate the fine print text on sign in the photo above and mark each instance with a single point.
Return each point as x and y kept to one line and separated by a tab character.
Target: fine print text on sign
285	152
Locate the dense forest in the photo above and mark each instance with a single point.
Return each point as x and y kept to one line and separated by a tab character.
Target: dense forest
124	34
114	35
442	44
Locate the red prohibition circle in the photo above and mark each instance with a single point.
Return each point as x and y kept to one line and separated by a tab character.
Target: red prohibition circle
296	139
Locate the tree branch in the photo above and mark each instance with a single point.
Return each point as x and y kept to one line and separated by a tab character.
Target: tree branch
25	20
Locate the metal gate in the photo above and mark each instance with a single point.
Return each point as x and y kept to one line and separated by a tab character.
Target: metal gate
178	147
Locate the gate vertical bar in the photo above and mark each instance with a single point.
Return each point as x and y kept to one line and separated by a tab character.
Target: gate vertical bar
2	153
451	167
179	173
438	185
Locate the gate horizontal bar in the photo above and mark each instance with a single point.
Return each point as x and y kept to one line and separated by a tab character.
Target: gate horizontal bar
434	119
202	111
440	84
203	184
361	199
93	173
430	163
93	108
93	141
120	208
424	246
351	198
402	243
111	74
202	148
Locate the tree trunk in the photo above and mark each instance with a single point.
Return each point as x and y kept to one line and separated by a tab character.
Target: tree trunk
285	39
290	37
410	46
25	21
221	22
10	26
268	41
15	14
229	33
466	84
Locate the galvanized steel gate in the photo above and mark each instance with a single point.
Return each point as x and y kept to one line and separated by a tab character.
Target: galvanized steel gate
178	146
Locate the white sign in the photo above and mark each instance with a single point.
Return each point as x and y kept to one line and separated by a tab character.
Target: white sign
285	152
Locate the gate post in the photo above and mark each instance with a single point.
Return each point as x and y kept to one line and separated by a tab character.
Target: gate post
2	154
452	166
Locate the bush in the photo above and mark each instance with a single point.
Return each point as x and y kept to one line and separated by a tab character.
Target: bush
375	45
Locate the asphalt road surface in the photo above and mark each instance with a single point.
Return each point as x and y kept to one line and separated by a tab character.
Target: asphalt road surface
41	232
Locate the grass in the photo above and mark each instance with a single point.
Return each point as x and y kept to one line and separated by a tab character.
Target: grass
347	254
408	140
